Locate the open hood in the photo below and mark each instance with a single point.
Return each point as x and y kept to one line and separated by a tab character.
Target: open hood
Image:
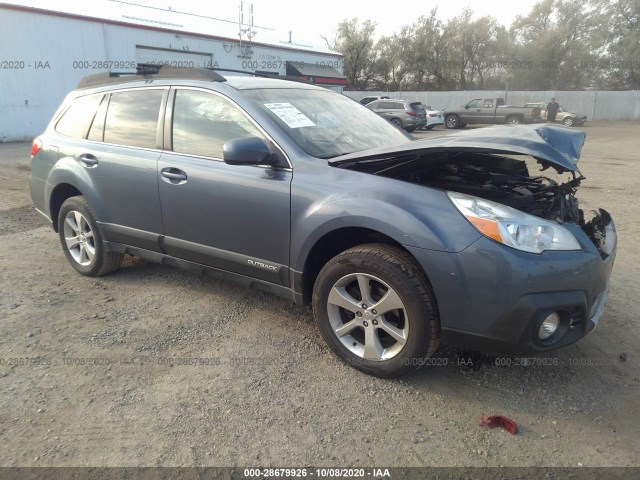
553	146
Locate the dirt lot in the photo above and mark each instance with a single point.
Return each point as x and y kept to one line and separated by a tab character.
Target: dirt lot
86	375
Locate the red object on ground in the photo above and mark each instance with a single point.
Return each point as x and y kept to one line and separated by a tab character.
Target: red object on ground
499	421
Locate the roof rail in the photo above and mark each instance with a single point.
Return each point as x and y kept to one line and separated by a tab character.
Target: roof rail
264	75
146	71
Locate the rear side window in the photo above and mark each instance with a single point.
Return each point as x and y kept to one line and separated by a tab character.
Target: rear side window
76	120
391	106
132	118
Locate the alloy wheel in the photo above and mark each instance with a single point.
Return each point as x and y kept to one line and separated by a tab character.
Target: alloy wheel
368	317
79	238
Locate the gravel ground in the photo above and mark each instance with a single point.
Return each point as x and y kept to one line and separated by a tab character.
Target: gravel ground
90	371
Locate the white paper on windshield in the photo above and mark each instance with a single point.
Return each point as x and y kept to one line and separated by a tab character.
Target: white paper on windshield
290	115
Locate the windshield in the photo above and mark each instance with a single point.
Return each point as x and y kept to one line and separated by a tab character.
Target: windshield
325	124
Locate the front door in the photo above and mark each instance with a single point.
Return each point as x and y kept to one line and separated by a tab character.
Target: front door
231	217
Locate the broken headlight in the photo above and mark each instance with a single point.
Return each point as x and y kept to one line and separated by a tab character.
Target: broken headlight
512	227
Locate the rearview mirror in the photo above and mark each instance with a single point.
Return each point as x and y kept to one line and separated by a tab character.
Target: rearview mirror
246	151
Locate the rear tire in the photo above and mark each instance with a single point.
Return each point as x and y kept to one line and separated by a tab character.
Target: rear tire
375	309
397	122
81	239
514	120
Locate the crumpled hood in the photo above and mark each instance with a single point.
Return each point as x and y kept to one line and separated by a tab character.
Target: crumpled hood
551	145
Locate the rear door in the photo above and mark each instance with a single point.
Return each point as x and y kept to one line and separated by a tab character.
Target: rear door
232	217
119	161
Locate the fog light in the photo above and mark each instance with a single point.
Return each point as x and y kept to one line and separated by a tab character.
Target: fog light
549	326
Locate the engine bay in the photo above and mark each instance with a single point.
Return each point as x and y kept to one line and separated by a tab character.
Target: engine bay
497	178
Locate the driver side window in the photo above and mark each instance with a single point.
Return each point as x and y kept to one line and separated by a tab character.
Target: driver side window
475	103
203	122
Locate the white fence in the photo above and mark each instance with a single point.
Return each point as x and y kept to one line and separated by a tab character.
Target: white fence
597	105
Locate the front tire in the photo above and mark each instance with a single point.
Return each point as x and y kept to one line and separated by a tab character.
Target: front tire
81	239
569	122
375	309
451	121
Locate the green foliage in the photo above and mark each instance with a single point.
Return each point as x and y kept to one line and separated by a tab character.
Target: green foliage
558	45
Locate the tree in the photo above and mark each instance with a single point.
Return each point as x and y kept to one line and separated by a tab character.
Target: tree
623	39
556	39
558	45
424	54
389	68
356	43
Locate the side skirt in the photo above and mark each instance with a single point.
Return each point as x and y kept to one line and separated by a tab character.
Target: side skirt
246	281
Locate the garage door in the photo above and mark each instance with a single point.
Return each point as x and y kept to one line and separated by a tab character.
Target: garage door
173	58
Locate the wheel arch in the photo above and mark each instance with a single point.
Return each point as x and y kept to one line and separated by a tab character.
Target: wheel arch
334	242
59	194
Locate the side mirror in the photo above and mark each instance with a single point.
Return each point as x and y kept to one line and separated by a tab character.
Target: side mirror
466	107
245	151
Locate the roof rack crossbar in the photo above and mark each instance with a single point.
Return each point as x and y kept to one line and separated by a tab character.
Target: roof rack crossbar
152	71
146	71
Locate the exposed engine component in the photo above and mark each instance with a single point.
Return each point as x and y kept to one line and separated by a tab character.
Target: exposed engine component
500	179
600	230
496	178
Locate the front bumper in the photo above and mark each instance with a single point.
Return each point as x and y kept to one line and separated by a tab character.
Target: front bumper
494	298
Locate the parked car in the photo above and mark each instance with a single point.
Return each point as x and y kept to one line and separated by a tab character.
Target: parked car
434	117
402	113
566	118
367	100
490	111
399	245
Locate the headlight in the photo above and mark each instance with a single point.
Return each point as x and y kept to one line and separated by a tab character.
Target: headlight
513	227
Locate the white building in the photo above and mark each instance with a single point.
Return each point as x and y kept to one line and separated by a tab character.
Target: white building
44	53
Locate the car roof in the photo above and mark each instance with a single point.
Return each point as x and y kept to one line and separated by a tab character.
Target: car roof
397	100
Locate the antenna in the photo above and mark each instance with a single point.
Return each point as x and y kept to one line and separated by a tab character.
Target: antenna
248	29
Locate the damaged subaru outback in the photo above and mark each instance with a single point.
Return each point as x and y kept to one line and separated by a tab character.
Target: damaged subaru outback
399	245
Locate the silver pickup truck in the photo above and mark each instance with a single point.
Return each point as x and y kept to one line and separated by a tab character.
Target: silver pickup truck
490	110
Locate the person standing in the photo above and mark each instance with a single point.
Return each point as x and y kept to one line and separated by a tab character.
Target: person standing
552	110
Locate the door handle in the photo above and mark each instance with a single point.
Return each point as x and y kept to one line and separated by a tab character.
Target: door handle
173	176
88	160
